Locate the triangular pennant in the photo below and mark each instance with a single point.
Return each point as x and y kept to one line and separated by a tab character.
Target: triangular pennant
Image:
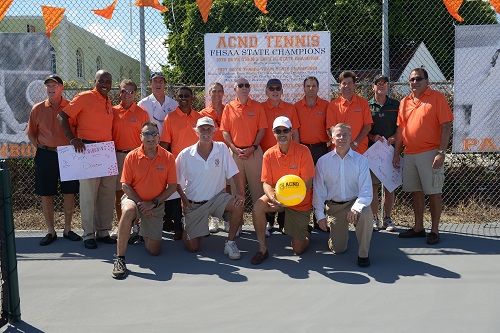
494	3
204	6
106	12
4	7
151	3
52	16
261	4
453	6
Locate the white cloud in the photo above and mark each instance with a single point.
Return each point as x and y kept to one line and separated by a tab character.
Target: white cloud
113	37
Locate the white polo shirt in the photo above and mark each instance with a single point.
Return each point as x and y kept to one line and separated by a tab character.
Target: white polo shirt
202	180
157	112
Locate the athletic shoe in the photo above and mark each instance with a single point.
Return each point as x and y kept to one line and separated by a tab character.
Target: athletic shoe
376	224
388	225
114	233
134	237
119	269
232	250
226	226
213	224
238	232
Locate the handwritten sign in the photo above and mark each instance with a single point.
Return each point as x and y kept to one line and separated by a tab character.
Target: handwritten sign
380	161
98	160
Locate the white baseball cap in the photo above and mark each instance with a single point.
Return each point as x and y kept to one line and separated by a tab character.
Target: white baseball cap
282	121
205	121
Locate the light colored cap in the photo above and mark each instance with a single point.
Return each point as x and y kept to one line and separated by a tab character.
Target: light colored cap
205	121
282	121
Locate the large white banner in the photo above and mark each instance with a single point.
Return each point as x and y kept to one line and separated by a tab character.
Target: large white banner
477	96
258	57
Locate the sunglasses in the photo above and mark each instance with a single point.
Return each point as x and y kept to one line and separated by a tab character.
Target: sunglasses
284	131
274	88
127	91
416	79
181	96
153	134
381	84
241	85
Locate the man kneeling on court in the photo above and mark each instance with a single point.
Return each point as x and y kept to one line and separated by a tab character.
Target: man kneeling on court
285	158
148	179
202	170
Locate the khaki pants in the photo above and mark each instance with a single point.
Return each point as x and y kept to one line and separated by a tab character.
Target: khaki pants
97	202
339	228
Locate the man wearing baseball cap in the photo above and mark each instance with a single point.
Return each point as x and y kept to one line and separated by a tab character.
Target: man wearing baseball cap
287	157
208	160
45	132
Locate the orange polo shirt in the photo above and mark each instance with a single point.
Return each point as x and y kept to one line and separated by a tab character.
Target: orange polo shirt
45	127
298	161
243	121
127	125
179	130
355	113
312	121
149	177
421	122
93	114
273	112
210	112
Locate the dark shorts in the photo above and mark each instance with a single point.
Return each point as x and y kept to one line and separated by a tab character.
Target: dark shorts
47	175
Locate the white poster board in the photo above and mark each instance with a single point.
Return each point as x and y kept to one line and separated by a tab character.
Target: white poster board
98	160
380	161
260	56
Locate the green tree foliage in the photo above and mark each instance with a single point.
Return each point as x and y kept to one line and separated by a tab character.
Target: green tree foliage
355	27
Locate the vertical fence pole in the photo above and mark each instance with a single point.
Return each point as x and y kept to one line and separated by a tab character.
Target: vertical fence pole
386	70
142	33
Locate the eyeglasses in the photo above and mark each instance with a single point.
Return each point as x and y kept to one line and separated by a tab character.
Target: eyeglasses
416	79
241	85
274	88
381	84
284	131
127	91
181	96
153	134
104	81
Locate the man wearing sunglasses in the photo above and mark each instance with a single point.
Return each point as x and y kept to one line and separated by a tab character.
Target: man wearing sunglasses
384	114
148	179
127	122
158	105
93	113
179	133
424	128
284	158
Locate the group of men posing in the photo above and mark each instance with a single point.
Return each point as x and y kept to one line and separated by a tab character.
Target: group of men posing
174	162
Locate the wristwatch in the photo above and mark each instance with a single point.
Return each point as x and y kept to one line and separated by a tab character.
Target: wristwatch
355	144
442	151
155	201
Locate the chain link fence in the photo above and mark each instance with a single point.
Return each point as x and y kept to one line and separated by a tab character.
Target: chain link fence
416	34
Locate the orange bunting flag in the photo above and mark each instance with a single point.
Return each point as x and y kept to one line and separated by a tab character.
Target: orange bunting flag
204	6
52	17
4	7
494	3
261	4
106	12
453	6
151	3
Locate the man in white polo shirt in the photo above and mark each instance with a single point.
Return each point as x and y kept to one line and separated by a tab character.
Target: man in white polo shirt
202	170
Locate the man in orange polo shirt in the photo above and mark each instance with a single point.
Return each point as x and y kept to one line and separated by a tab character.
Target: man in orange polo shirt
243	126
45	132
353	110
93	113
179	133
284	158
424	127
127	121
148	179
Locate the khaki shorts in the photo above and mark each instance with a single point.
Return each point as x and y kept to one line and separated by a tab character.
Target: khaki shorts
418	174
151	227
375	180
120	159
196	219
296	222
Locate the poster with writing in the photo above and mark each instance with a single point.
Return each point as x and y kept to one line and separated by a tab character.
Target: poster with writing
380	161
98	160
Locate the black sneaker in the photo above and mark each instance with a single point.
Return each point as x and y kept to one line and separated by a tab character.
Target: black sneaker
49	238
119	269
106	240
72	236
90	243
363	262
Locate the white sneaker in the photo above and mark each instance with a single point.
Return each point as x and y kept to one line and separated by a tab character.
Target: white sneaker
376	224
238	232
389	225
232	250
114	233
226	226
213	224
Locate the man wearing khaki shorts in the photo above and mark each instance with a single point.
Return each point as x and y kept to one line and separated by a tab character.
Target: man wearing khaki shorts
424	126
148	179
